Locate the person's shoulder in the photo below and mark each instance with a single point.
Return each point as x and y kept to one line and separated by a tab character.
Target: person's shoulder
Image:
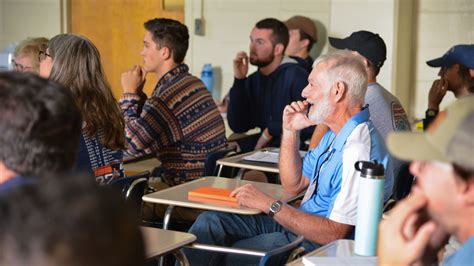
292	70
464	255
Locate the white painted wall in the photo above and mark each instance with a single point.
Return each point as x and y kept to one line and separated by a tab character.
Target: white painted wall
414	31
227	28
20	19
441	25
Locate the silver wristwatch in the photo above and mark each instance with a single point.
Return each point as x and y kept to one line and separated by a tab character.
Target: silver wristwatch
275	207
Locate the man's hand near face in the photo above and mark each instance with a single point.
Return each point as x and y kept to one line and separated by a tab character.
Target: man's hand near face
241	65
437	92
295	116
133	80
408	236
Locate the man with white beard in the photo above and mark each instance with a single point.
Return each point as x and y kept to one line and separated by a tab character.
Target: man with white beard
334	97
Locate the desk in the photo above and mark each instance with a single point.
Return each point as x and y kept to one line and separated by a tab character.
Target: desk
133	166
339	252
159	242
238	162
178	195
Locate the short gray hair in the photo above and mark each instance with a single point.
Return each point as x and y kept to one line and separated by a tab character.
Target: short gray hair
348	68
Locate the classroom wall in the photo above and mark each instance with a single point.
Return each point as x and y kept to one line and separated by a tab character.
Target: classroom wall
441	24
20	19
414	30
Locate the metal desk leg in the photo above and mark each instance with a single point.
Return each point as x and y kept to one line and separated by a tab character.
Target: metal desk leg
167	217
220	170
166	222
179	255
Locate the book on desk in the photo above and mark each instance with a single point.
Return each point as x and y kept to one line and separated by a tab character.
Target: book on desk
220	196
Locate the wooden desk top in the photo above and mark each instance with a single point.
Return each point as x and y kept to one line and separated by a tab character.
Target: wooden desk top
159	241
178	195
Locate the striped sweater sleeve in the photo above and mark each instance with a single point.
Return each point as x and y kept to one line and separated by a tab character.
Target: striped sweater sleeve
145	127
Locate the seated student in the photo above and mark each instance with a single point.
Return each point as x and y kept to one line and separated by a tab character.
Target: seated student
74	62
179	122
454	76
303	34
259	99
442	201
40	127
68	221
386	111
334	97
26	54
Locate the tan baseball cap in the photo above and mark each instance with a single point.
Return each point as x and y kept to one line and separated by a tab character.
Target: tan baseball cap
304	24
450	137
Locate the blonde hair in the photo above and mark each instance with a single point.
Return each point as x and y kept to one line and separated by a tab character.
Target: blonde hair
31	48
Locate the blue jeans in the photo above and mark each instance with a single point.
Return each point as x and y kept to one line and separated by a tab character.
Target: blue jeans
255	232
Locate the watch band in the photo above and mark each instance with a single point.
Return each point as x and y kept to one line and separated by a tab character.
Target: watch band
274	208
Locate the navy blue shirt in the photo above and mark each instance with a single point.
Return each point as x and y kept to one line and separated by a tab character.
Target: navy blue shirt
259	100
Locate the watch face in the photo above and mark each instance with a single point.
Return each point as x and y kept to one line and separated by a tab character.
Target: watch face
276	206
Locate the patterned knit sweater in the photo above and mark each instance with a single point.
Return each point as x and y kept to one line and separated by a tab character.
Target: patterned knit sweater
179	123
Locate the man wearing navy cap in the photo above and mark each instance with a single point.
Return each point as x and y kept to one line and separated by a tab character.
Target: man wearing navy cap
386	111
454	76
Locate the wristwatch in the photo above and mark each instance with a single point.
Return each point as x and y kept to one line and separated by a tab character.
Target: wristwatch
275	207
431	113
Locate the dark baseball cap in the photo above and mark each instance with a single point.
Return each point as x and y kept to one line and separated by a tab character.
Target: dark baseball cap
459	54
368	44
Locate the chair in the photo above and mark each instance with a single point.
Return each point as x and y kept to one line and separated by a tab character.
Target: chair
133	188
210	168
278	256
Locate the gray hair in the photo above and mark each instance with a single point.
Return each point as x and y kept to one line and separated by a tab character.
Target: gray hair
348	68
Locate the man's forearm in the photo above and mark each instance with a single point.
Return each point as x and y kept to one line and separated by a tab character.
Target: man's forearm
314	228
290	163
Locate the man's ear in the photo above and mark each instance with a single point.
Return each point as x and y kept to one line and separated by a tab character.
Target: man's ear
305	43
166	53
339	90
467	191
278	49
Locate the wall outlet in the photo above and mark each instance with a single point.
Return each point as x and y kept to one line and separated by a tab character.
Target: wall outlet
199	26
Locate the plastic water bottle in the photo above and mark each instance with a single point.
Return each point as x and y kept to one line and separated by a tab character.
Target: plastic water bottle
207	77
369	207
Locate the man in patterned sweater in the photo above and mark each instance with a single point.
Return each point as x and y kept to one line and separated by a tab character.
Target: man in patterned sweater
180	122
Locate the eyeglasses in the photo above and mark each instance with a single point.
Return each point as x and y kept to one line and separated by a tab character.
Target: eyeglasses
42	55
21	67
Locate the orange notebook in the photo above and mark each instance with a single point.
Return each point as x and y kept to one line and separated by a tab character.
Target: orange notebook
212	193
214	201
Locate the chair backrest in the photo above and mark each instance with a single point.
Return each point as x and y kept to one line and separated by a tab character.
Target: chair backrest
133	187
279	256
212	157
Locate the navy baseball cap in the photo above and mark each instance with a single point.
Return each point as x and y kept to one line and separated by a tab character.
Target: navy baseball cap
459	54
368	44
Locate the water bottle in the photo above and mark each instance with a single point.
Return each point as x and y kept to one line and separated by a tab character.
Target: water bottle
369	207
207	77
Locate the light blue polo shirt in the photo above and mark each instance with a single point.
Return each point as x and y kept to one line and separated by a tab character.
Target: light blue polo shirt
464	256
334	159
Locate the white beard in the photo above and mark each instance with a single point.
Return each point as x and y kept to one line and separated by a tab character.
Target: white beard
319	113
